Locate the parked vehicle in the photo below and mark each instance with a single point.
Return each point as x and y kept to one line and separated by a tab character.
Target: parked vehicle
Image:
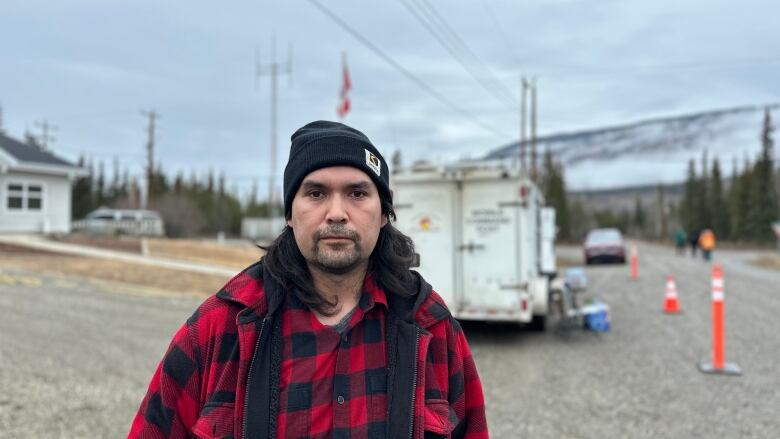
106	221
576	278
604	246
484	238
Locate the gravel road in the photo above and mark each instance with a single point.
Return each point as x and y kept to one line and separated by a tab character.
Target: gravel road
76	357
640	380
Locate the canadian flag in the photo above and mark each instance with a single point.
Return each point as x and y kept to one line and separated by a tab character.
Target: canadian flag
344	103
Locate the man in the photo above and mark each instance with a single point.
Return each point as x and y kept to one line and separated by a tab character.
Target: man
707	243
680	238
329	335
693	240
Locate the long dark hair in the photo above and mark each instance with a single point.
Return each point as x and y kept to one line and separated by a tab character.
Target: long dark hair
389	264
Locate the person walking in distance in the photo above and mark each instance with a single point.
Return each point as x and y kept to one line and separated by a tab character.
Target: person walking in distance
707	243
693	240
330	334
680	238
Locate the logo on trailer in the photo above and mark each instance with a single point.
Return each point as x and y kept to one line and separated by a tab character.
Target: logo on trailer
427	223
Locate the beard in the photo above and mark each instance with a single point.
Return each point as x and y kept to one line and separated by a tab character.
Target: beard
340	258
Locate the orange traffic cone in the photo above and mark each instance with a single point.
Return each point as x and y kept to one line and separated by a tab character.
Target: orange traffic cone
634	262
671	303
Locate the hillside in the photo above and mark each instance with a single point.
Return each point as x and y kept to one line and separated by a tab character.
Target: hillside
652	151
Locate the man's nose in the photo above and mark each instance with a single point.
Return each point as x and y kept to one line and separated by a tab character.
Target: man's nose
337	212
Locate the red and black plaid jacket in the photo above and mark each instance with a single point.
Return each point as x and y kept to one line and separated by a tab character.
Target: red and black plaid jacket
220	375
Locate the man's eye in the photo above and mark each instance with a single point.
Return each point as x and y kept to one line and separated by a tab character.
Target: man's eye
316	194
358	194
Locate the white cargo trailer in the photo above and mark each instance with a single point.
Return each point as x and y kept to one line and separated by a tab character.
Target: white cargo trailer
484	239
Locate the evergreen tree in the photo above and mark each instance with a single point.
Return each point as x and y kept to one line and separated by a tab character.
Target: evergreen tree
159	184
763	205
254	208
81	194
554	190
210	182
688	206
703	210
100	186
639	218
741	194
114	189
663	211
582	222
178	183
719	209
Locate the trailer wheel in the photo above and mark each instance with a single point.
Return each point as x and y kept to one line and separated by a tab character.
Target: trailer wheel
538	323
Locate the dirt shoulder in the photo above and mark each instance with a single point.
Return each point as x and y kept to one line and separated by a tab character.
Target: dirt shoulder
235	254
767	261
165	279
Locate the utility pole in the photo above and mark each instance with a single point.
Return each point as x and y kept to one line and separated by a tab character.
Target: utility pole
534	174
45	137
523	92
273	69
153	116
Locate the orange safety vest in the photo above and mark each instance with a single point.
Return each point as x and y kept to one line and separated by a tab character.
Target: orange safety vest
707	240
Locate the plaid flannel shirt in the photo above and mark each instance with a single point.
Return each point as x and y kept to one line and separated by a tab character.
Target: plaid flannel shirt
334	384
219	377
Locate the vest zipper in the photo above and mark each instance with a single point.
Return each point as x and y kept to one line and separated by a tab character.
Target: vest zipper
249	378
414	380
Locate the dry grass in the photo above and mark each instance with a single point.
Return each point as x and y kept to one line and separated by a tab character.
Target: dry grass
563	262
233	255
768	261
125	244
171	280
236	256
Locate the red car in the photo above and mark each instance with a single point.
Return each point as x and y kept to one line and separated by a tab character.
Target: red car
605	245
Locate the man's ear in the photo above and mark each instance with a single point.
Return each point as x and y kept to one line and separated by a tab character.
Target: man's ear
289	223
384	221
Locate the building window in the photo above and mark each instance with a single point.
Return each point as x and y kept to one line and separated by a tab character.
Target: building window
15	196
34	197
24	196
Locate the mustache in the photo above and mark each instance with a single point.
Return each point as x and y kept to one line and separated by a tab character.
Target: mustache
336	231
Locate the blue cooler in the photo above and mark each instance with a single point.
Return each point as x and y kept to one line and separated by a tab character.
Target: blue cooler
597	317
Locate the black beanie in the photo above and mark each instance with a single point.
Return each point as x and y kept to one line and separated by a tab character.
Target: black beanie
322	144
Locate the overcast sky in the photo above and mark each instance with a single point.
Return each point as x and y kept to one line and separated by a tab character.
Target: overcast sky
90	67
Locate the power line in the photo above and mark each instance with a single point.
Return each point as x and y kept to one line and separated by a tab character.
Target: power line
454	35
599	74
449	40
405	72
500	29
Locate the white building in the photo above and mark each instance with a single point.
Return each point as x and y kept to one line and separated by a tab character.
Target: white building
35	188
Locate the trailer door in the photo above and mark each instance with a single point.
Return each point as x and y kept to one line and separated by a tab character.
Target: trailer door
490	246
548	241
425	211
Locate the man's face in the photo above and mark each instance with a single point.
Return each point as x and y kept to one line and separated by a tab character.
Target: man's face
336	218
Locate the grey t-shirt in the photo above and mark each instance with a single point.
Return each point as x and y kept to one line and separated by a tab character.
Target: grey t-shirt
343	324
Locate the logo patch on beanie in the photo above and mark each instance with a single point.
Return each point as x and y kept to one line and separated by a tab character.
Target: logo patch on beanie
373	162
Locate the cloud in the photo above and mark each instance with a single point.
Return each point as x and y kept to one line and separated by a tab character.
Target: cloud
598	63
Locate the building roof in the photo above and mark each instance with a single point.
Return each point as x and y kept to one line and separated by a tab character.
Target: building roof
24	152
